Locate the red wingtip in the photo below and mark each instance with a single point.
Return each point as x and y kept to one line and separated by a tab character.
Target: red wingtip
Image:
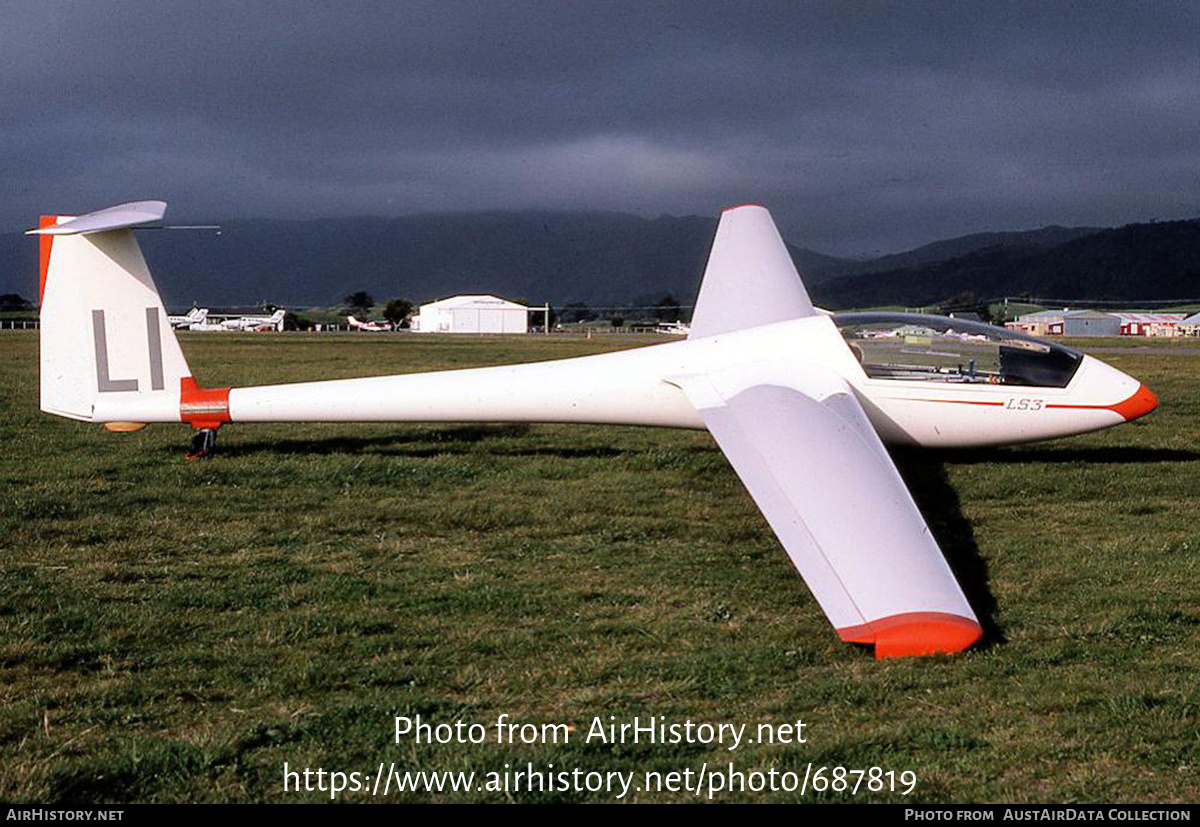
1141	403
915	633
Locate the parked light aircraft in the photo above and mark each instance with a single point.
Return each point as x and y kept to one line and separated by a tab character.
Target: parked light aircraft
196	315
799	401
371	327
259	323
673	329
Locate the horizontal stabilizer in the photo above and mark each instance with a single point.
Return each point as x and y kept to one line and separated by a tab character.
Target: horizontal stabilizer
120	217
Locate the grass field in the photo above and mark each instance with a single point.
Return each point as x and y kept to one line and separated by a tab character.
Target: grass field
174	631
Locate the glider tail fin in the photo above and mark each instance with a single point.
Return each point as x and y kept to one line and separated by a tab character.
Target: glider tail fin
750	279
108	351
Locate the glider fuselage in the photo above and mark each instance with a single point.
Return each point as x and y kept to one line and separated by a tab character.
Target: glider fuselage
636	387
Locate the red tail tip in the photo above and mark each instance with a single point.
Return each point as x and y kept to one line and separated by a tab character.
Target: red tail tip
45	243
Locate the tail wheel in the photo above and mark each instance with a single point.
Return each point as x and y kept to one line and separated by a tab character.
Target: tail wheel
204	442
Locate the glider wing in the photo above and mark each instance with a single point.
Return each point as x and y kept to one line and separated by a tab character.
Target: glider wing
804	448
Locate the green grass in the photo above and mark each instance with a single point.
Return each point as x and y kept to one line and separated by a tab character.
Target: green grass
174	631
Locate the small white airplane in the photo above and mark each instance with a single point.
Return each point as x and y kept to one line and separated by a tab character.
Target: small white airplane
256	323
673	329
800	402
196	315
371	327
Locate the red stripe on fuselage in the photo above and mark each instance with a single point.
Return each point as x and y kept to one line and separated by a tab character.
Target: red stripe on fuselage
1140	402
949	401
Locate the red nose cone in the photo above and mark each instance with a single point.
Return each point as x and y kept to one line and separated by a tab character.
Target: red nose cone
1141	403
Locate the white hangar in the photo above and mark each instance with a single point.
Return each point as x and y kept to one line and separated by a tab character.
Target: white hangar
472	314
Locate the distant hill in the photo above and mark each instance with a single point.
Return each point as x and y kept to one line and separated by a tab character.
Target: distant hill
605	258
964	245
592	257
1138	261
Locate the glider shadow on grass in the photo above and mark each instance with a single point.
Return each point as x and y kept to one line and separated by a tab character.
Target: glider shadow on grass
424	442
1118	455
925	475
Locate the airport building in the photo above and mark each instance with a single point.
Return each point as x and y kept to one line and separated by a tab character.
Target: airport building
1068	322
1150	324
472	314
1189	326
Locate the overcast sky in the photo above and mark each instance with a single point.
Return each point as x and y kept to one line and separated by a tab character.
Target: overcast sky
864	126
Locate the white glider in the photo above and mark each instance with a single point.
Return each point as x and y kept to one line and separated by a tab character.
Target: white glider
799	401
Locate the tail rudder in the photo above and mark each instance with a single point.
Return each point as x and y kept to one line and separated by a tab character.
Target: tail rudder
108	351
750	279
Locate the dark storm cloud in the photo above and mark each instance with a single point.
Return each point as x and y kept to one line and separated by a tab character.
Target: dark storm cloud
863	125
